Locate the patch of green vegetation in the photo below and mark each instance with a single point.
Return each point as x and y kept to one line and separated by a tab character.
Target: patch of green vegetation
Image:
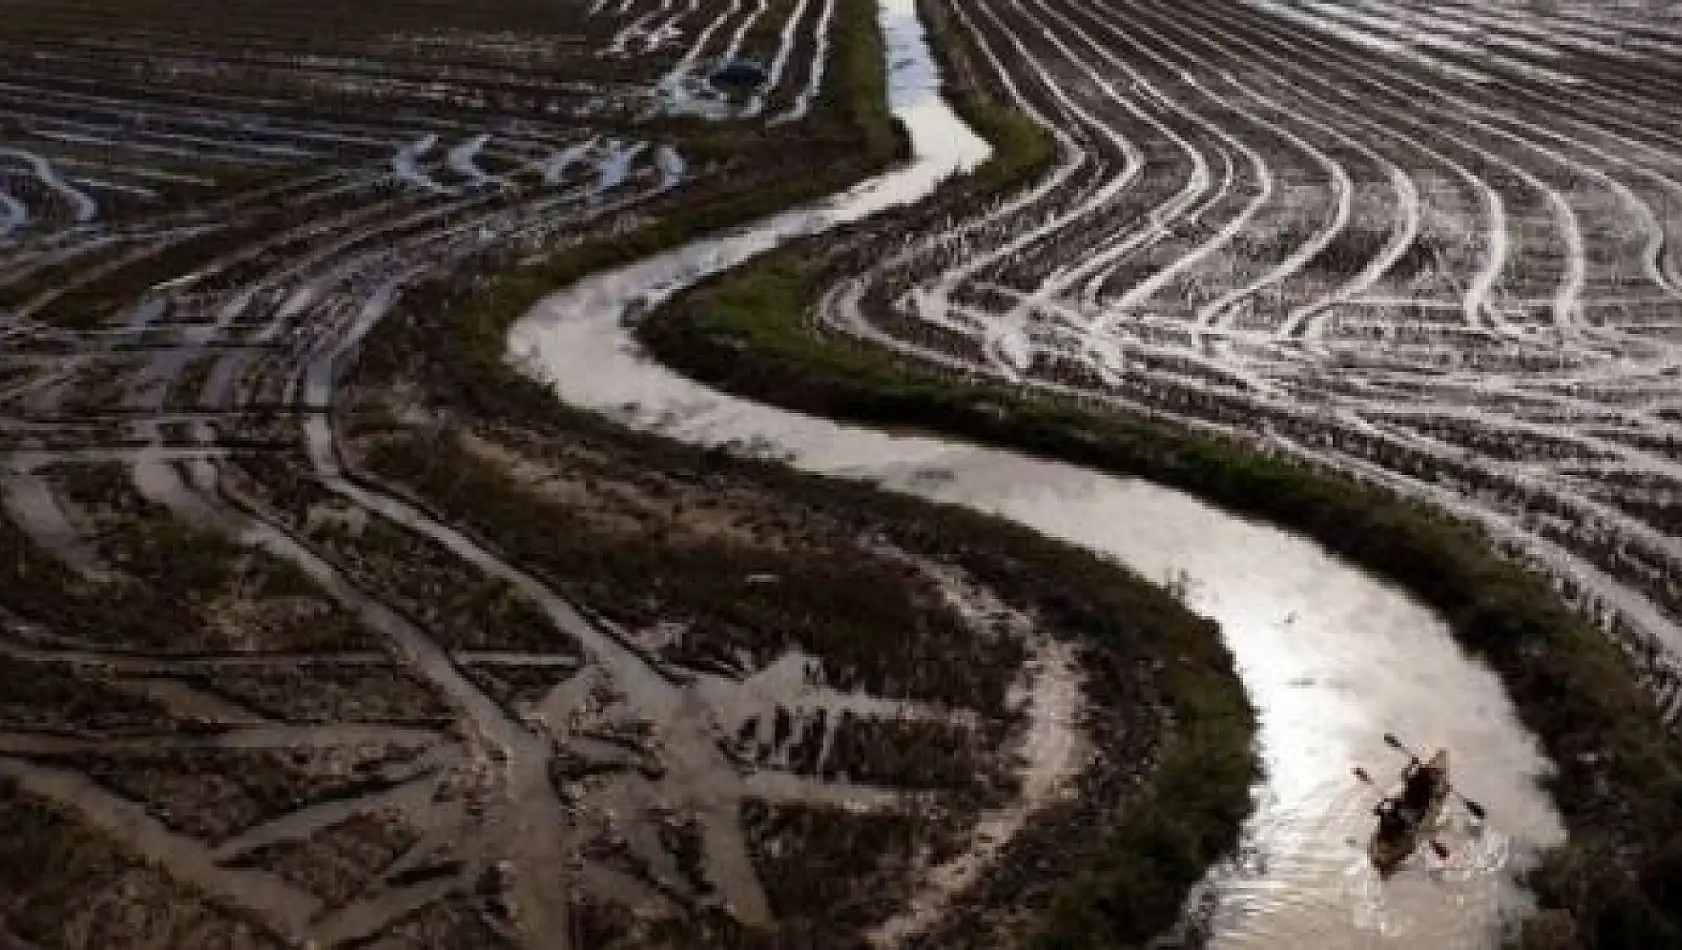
39	587
121	280
328	692
1136	869
1135	886
213	794
464	608
1021	149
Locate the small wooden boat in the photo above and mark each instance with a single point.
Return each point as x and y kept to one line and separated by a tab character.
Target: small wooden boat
1388	852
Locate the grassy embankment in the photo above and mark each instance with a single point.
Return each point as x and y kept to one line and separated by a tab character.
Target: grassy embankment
1132	884
849	120
1620	783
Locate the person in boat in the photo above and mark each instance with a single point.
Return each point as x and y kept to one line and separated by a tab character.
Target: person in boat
1421	785
1393	826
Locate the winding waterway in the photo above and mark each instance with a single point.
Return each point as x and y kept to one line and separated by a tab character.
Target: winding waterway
1331	657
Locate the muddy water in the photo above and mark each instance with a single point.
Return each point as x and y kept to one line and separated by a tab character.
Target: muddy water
1331	657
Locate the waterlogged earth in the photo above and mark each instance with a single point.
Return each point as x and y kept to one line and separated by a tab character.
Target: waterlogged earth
252	695
257	695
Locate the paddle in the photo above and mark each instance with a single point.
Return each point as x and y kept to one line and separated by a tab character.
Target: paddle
1437	846
1476	809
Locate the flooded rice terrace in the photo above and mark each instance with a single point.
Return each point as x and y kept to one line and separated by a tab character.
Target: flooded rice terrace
1332	658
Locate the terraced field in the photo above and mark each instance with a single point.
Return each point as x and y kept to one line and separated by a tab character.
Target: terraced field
1430	244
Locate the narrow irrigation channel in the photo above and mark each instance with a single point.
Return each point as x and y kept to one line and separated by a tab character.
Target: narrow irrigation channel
1332	658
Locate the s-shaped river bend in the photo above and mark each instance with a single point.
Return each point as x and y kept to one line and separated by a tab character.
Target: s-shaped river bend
1330	656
